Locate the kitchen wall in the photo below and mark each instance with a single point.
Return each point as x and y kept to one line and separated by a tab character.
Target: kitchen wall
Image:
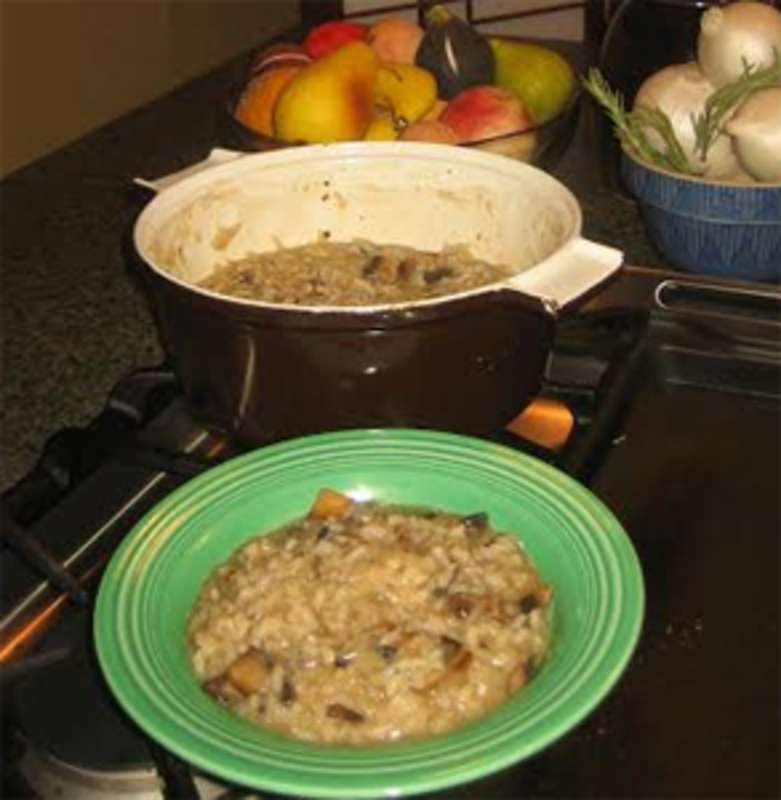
542	19
69	66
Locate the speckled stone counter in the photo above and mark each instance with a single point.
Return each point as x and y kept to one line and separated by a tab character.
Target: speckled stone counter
74	320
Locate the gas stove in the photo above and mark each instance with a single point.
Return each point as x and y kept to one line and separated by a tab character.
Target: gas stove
662	396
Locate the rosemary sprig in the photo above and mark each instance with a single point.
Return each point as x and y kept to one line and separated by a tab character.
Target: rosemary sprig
655	118
707	124
631	126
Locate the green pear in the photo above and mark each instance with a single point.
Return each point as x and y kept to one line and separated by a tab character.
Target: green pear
331	99
542	78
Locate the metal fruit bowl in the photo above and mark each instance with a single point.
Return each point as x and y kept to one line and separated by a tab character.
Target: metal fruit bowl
542	145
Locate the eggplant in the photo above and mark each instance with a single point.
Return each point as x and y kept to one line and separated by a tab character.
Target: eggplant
455	53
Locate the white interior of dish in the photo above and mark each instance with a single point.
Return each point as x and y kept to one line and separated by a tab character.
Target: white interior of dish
422	196
262	203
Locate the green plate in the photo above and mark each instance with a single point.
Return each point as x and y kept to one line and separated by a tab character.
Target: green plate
154	578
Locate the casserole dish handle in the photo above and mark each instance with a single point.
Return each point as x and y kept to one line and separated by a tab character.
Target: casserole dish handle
217	156
570	275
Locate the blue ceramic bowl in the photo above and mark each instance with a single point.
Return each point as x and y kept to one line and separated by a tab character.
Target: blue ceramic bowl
730	230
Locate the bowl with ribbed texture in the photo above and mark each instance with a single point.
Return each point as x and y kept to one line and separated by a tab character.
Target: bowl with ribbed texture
725	229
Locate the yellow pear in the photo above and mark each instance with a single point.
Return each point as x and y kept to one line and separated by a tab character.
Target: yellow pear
406	90
331	99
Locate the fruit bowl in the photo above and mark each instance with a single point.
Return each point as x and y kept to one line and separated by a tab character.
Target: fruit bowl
541	145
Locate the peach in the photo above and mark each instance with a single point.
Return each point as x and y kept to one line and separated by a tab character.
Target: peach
395	40
429	130
484	112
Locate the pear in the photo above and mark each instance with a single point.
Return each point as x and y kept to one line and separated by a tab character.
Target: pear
540	77
405	90
331	99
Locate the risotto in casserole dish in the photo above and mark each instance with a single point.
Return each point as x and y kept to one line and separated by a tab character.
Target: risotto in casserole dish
357	273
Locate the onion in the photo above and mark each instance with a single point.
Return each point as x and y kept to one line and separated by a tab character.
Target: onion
734	35
756	130
680	91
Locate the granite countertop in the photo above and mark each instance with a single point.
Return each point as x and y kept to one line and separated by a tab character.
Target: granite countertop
74	320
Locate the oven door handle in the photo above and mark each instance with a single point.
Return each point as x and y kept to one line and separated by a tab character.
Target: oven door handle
678	296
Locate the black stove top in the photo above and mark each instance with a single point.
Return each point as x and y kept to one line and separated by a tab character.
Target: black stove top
671	388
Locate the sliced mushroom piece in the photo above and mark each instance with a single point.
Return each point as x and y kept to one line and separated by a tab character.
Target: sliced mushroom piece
528	603
387	268
461	604
220	688
391	269
432	276
287	694
343	660
442	590
454	673
324	532
461	661
450	648
371	267
344	713
521	674
477	521
408	268
537	598
387	652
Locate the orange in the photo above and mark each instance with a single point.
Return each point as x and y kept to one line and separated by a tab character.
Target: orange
255	108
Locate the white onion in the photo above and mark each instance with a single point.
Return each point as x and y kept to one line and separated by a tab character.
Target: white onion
680	91
738	33
756	131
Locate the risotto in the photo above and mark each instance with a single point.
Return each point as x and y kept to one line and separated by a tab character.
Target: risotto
355	273
368	623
